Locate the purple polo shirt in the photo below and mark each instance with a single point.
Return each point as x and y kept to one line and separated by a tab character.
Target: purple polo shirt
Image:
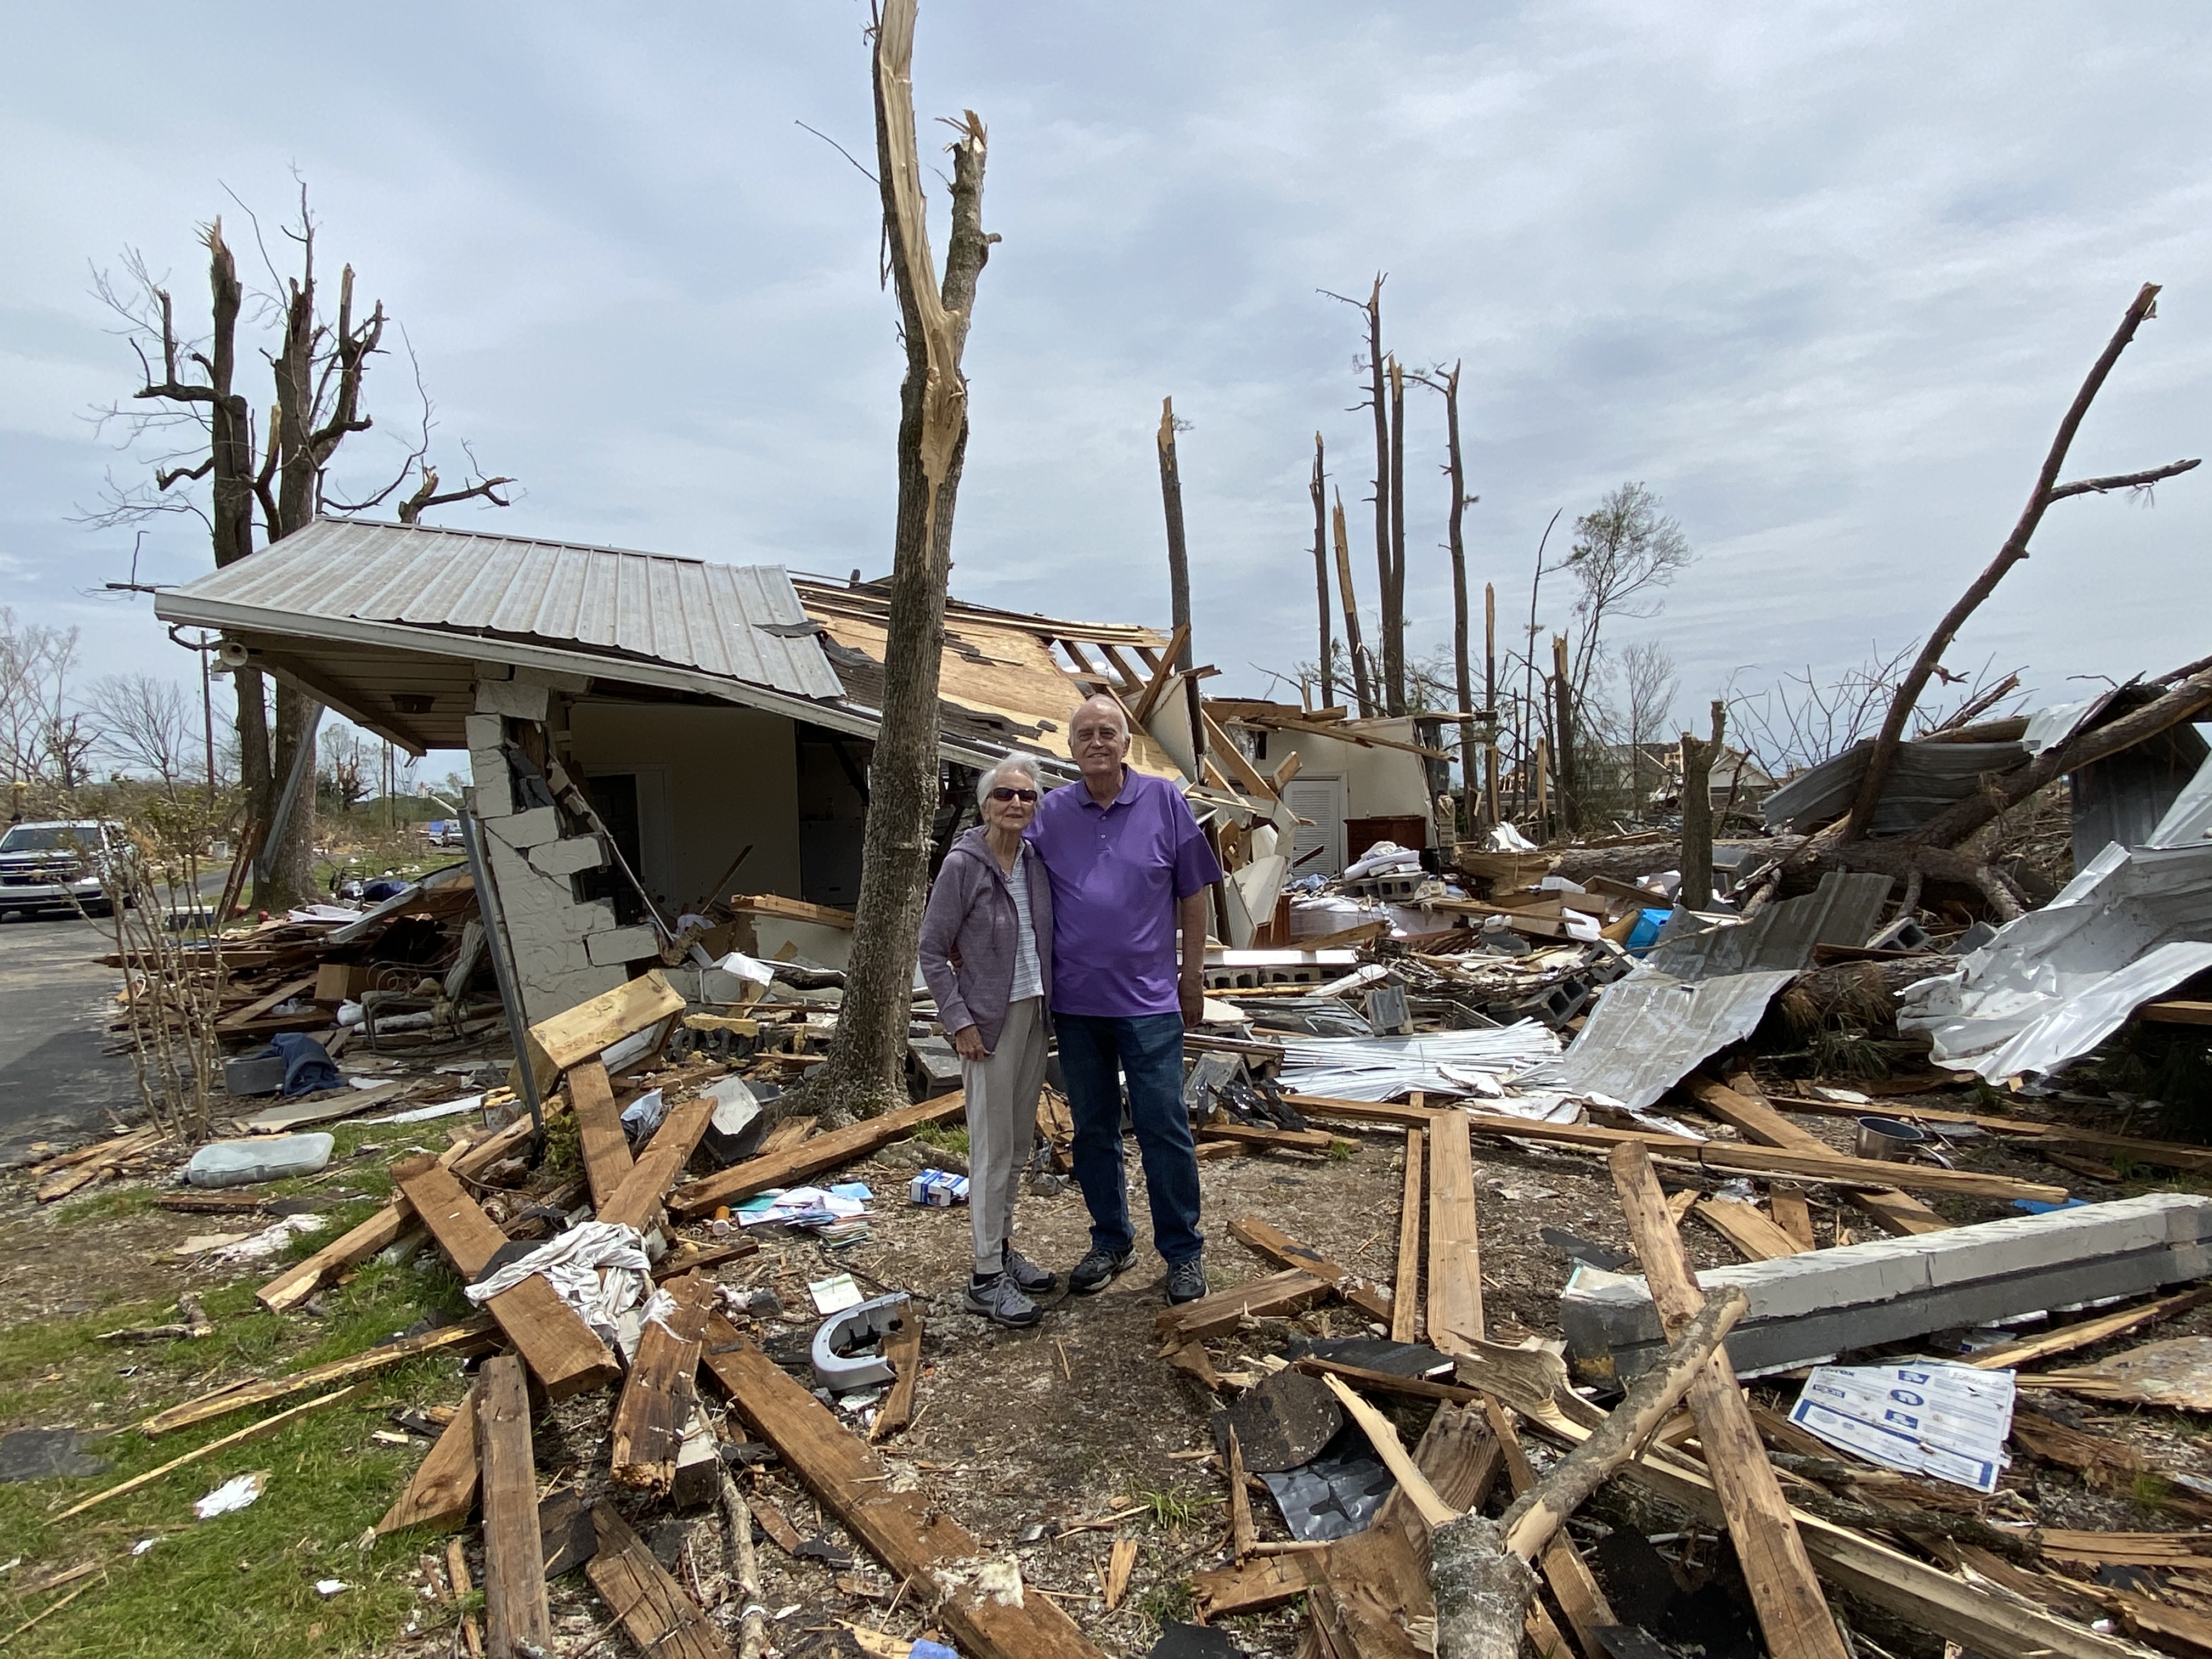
1117	874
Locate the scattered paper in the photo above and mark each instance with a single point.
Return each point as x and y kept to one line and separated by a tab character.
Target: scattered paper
233	1494
143	1544
326	1587
806	1207
835	1294
424	1114
1950	1421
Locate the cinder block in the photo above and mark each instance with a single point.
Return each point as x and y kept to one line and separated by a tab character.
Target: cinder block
495	784
524	830
544	995
261	1075
484	731
571	857
514	699
622	945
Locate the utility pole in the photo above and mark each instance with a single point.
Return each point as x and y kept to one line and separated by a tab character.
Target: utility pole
1490	696
1321	576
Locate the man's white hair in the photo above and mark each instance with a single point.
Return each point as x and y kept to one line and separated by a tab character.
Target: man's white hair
989	780
1109	704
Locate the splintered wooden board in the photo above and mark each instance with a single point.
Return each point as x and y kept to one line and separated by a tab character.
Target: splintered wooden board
1454	1252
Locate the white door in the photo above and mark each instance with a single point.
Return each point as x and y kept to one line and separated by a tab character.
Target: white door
1319	848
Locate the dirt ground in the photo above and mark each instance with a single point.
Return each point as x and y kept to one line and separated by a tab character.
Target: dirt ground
1027	1437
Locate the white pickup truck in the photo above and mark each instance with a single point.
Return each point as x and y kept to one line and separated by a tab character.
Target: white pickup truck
57	866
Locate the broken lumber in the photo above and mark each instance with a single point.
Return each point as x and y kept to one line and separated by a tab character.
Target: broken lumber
2013	1355
913	1538
1792	1612
1280	1248
444	1488
1406	1286
1747	1112
1383	1437
564	1353
1791	1213
515	1613
237	1438
468	1336
1372	1113
381	1230
1275	1296
903	1353
599	1123
660	1390
1455	1309
1261	1140
790	1165
636	1203
660	1616
1573	1587
1738	1159
591	1027
1747	1228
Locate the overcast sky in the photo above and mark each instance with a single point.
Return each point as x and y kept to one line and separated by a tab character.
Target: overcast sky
1824	276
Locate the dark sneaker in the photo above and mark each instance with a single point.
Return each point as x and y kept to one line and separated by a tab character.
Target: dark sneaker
1031	1280
1094	1272
1001	1299
1187	1280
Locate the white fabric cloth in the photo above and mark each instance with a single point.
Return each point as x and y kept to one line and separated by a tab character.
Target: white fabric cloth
1028	973
599	1268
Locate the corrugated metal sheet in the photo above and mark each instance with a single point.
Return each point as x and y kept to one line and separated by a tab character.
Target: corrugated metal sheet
610	602
1926	778
1842	911
1649	1032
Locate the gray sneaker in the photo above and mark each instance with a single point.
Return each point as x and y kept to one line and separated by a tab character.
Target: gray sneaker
1032	1279
1186	1280
1097	1269
998	1299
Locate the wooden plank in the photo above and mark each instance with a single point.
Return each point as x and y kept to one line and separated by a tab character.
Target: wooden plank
1455	1254
1242	1533
1264	1139
599	1123
786	1134
660	1617
1791	1213
2013	1355
282	1120
1738	1159
1745	1109
469	1336
2177	1011
792	1165
444	1488
1412	1387
1275	1296
590	1027
381	1230
236	1437
1792	1612
514	1557
1360	1111
1280	1248
636	1203
1405	1288
1264	1582
658	1393
1572	1585
1743	1226
791	909
1384	1437
903	1353
564	1353
906	1531
260	1006
2166	1154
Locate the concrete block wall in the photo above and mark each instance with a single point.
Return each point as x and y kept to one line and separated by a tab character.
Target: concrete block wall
566	950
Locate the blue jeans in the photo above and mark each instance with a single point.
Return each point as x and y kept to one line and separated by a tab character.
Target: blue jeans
1149	1049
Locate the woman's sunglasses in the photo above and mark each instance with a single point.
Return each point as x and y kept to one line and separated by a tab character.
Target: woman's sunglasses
1013	794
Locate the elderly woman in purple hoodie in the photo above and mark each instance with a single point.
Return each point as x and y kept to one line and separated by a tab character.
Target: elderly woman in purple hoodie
987	958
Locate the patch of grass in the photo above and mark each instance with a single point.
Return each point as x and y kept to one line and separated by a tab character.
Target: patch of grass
2151	1491
564	1144
105	1206
950	1137
1168	1601
1343	1152
1171	1510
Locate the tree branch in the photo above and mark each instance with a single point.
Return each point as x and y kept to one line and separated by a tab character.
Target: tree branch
2122	481
1884	755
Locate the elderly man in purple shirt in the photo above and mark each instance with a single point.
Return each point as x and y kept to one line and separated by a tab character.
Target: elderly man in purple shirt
1130	869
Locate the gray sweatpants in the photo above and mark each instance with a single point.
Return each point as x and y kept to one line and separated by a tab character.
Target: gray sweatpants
1002	1105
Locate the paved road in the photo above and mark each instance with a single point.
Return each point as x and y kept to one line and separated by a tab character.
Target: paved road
55	1003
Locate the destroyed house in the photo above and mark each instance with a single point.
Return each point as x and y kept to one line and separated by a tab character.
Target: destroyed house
649	734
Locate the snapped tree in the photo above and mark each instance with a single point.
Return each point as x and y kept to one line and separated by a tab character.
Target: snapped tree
865	1074
204	421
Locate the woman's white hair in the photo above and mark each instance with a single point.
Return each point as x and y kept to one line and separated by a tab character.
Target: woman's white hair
989	780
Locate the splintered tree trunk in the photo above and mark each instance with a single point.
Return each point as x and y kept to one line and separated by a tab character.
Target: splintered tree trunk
1467	777
865	1071
1178	549
1697	759
1490	700
1385	698
1317	490
1394	615
1362	665
1565	779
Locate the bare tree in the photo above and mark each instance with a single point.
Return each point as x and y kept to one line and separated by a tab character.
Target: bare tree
344	768
1626	552
1455	544
2047	491
195	424
146	723
865	1071
1318	489
36	662
1389	688
1650	686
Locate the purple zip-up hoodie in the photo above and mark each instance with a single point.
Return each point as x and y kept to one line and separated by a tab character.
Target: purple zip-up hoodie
968	938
